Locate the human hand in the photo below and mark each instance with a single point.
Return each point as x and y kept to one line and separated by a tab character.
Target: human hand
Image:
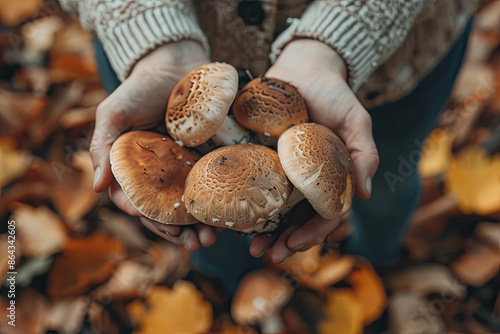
140	103
319	74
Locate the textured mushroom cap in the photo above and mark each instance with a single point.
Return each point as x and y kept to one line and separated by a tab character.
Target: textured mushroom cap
151	169
200	102
269	106
237	187
318	163
260	294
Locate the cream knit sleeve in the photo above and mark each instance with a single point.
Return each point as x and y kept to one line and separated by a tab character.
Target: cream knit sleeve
129	29
363	32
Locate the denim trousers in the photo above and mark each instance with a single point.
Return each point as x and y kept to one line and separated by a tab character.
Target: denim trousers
380	223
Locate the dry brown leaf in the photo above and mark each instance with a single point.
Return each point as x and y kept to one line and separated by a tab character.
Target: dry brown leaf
180	310
101	321
12	13
130	280
301	264
480	264
30	313
474	177
40	231
344	314
123	227
330	271
67	315
368	290
83	263
224	325
410	313
168	261
13	163
426	279
72	191
489	232
78	117
436	154
474	82
18	111
72	67
39	34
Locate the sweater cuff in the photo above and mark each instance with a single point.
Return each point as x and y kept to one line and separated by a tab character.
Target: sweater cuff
339	29
127	41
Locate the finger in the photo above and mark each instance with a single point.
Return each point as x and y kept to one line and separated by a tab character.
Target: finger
280	252
190	240
312	233
206	235
157	229
121	200
173	230
110	123
261	243
357	134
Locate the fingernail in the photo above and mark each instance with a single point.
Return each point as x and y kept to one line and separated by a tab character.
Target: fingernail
97	176
286	258
298	247
369	185
259	255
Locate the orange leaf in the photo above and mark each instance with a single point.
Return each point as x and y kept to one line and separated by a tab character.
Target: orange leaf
13	163
84	262
478	265
180	310
12	13
369	291
436	154
344	313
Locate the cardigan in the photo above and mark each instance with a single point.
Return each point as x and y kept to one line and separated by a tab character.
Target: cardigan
388	45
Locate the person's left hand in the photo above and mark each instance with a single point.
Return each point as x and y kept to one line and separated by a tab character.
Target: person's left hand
319	74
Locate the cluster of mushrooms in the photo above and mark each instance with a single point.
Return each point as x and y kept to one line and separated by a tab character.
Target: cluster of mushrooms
225	172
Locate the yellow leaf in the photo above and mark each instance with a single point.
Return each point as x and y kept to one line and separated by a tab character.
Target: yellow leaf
436	154
13	163
369	291
344	313
474	177
180	310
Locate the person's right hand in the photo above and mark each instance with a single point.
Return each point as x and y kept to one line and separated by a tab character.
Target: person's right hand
140	103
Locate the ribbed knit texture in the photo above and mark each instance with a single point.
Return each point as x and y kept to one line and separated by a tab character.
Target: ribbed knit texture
128	30
363	32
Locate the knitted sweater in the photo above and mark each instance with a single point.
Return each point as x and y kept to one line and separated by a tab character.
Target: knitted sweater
387	45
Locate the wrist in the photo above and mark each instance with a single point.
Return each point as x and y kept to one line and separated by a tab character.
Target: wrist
312	56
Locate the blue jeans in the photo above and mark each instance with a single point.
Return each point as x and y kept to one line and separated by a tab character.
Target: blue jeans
380	222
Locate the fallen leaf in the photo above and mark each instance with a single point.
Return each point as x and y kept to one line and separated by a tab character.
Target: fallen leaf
479	265
224	325
67	315
29	314
426	279
13	163
40	231
123	227
330	271
436	154
130	280
344	313
31	268
180	310
168	262
368	290
474	177
83	263
12	13
410	313
489	232
18	111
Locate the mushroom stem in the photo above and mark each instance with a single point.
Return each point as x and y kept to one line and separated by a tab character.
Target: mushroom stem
229	133
272	224
272	324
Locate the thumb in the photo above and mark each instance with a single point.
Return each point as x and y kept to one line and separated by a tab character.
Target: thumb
344	114
109	125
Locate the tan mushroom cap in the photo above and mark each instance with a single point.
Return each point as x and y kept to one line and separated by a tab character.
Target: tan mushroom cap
237	187
318	163
151	169
269	106
199	103
260	294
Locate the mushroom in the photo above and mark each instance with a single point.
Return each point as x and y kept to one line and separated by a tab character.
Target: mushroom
151	169
198	106
238	187
318	164
260	297
269	107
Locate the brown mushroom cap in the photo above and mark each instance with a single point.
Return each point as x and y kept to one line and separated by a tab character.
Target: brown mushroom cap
269	106
199	103
318	163
151	169
237	187
260	294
